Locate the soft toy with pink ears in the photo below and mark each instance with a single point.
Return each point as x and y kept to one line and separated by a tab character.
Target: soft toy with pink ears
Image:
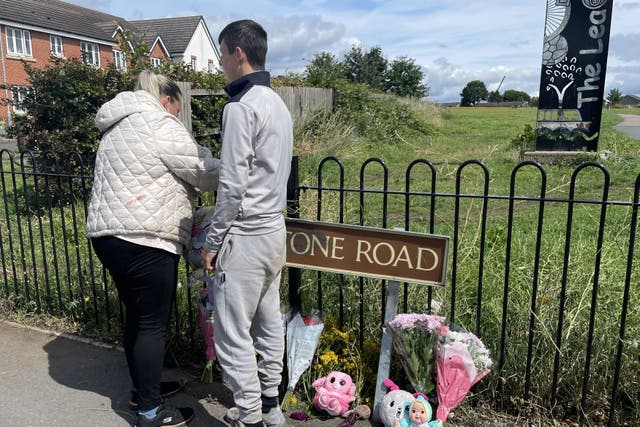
394	406
334	393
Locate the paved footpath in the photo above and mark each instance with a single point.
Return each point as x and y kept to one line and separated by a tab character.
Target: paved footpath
630	125
55	381
8	144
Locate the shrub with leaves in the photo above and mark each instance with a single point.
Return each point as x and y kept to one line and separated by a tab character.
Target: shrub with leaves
376	117
339	350
525	140
61	107
65	97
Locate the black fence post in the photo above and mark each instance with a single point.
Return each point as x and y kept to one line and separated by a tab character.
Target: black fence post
293	211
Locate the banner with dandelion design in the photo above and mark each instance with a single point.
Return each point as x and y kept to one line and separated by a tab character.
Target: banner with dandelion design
574	61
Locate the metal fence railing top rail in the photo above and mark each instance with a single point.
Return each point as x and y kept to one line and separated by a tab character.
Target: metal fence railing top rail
548	279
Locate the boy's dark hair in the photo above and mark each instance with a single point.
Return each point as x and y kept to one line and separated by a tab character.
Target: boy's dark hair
249	36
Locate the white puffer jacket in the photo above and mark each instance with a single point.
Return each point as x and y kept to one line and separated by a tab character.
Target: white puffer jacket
148	169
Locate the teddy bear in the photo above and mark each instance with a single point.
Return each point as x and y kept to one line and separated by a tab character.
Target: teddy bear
394	406
334	393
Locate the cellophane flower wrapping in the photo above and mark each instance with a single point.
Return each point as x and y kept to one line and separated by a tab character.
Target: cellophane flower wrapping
462	360
414	337
199	229
205	319
303	335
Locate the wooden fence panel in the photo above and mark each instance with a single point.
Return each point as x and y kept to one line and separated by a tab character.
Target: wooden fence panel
302	100
299	100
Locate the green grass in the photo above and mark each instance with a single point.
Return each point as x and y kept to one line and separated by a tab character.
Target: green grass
446	139
484	134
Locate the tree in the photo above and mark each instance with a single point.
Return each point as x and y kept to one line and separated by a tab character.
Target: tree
404	78
66	94
614	97
473	92
375	68
515	96
352	64
494	96
323	70
62	105
365	67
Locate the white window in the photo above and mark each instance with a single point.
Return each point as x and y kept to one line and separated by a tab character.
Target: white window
210	66
193	63
156	62
90	53
56	46
18	42
118	60
19	94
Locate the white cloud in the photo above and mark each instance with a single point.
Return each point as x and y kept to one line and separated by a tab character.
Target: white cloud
481	40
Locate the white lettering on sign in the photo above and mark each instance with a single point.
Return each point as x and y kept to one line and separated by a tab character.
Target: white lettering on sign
425	259
397	255
596	31
434	254
302	244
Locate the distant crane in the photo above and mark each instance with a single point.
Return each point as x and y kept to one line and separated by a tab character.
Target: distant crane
495	95
500	85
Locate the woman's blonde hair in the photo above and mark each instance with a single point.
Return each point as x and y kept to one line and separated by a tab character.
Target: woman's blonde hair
158	85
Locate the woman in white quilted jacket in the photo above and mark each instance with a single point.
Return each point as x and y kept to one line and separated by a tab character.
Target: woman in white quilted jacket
148	170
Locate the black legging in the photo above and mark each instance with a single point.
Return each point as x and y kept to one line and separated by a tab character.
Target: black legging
146	280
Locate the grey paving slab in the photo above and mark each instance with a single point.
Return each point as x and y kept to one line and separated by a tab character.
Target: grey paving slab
51	380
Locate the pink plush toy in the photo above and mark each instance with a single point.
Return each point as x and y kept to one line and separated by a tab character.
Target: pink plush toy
334	393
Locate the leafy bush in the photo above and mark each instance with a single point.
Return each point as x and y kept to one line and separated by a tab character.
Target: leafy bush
62	105
66	95
525	140
338	350
64	99
374	116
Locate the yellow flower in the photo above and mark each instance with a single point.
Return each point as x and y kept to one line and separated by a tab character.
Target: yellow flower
87	299
328	357
294	400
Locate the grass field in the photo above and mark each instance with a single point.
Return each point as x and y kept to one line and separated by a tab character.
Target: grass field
484	134
452	137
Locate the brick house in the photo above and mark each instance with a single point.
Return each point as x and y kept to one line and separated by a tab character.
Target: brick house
33	30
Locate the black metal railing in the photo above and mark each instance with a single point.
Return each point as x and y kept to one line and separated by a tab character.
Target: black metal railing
537	266
547	278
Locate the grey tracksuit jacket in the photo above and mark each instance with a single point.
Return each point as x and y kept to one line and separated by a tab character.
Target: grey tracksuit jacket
255	161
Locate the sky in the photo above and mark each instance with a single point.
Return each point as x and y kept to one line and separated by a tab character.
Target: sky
453	41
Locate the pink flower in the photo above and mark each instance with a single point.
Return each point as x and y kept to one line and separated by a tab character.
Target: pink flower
427	322
413	337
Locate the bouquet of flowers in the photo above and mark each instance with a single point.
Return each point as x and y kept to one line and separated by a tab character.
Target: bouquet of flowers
192	254
461	360
414	337
303	335
205	319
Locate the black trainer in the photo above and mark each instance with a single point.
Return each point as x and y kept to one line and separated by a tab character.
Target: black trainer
167	388
167	416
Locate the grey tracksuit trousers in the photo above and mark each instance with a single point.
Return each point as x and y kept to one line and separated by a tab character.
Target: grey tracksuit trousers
249	337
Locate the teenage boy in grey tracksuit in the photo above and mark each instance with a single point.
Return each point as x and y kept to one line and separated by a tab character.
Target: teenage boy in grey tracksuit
246	241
